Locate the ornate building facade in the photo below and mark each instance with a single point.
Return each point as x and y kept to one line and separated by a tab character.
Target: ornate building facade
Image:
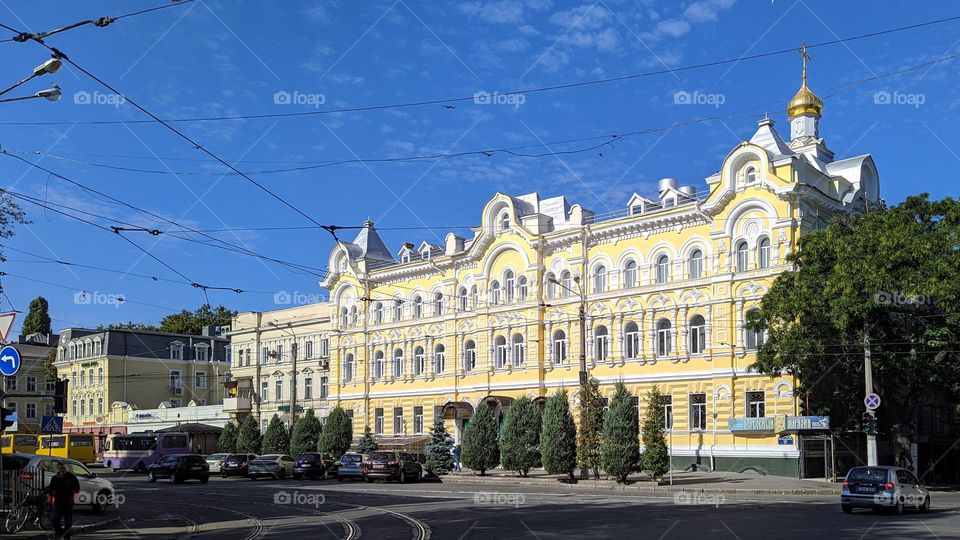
666	283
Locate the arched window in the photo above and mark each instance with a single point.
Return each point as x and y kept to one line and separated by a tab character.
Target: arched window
348	368
439	359
695	264
509	283
664	339
417	307
496	294
469	355
763	253
397	309
438	303
505	222
750	175
630	274
398	363
419	361
353	316
663	269
559	347
742	259
379	365
462	299
474	297
551	286
755	338
378	313
344	317
600	279
601	341
632	340
522	289
698	334
500	351
519	350
566	284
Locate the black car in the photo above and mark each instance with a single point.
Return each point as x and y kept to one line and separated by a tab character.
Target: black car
312	465
180	467
236	465
398	466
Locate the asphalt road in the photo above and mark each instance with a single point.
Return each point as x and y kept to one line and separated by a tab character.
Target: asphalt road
238	508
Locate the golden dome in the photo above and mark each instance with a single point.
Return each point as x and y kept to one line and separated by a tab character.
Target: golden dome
805	102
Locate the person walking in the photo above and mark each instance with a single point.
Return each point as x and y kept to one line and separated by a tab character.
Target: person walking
456	459
64	486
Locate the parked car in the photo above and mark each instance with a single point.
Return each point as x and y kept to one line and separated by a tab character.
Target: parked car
275	465
179	468
390	465
349	467
215	461
312	465
236	465
94	491
883	488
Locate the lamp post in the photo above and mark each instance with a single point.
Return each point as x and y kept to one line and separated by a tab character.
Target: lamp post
584	473
293	374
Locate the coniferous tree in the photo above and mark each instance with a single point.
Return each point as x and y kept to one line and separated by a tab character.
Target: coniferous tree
439	458
276	440
337	433
306	434
228	438
520	440
558	437
620	444
37	320
480	451
249	439
656	460
367	443
591	424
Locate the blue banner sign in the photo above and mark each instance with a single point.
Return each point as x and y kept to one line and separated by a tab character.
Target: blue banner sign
808	423
792	425
757	425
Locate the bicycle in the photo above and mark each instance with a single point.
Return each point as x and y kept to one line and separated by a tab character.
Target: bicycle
29	509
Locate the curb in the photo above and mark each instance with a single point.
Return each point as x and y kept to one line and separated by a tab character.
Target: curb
77	529
596	486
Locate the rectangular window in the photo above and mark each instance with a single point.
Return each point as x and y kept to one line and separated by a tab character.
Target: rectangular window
698	411
278	389
201	379
308	388
755	405
398	420
202	354
248	357
279	352
264	391
176	384
31	410
667	411
265	355
99	405
308	349
378	421
100	375
73	407
48	410
324	387
324	348
51	387
31	384
418	420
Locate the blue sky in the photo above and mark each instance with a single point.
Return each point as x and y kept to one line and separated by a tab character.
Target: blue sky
212	58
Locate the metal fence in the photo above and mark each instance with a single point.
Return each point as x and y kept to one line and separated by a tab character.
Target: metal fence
18	484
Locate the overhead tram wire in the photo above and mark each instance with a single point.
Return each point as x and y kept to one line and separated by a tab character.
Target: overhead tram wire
101	22
460	99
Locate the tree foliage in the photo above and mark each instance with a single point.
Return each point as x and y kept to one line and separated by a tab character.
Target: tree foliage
10	214
186	322
480	451
37	320
558	436
276	440
439	460
620	446
591	424
228	438
249	439
656	457
306	434
520	440
337	433
367	443
890	275
49	366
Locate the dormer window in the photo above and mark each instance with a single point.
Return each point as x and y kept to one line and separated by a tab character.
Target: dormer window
202	352
176	350
405	257
636	210
504	222
426	254
750	175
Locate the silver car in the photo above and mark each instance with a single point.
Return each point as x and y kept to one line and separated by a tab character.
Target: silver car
883	488
216	460
97	492
271	465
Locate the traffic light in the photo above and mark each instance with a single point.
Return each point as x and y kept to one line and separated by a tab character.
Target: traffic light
60	397
4	423
869	423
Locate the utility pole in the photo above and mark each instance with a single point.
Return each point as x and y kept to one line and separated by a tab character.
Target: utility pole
868	384
584	377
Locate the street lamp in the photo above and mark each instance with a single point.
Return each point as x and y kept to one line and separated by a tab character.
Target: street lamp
52	65
50	94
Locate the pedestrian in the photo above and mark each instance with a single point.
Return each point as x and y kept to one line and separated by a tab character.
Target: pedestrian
456	459
64	486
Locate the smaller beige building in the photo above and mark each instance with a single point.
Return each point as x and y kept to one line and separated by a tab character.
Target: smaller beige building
28	392
279	358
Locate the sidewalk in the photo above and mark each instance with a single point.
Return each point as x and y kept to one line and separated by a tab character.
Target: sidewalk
706	482
83	525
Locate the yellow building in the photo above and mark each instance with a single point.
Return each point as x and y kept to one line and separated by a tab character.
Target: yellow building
667	283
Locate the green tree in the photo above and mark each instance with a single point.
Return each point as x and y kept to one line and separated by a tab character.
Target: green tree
591	424
520	440
337	433
49	366
367	443
480	451
888	279
306	434
228	438
558	437
276	440
656	457
249	439
620	445
10	214
186	322
439	459
37	320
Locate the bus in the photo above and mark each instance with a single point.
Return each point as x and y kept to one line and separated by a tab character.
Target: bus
19	443
137	451
78	446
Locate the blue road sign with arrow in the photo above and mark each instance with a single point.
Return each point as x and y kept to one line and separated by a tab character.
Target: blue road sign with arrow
9	361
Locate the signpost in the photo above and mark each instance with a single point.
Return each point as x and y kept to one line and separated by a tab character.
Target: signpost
9	361
51	425
872	401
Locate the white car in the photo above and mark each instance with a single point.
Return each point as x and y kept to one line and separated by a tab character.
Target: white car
97	492
271	465
214	461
